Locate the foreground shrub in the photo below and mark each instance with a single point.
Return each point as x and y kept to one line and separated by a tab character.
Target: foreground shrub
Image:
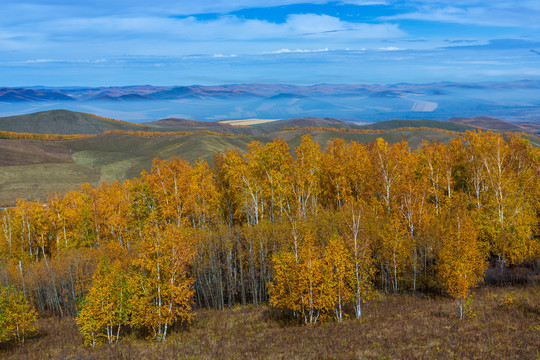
17	317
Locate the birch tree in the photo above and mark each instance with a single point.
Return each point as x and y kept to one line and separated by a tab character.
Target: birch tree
162	290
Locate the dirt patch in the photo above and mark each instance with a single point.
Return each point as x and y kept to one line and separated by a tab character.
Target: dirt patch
16	152
247	122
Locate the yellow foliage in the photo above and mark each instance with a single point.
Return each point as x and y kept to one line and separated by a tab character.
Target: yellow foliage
106	306
162	291
17	317
302	282
461	263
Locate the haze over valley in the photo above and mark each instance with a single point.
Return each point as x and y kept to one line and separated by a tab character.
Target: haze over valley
516	101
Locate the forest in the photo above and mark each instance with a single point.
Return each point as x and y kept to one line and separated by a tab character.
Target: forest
315	233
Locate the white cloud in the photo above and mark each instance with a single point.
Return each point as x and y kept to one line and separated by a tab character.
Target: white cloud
524	72
170	7
223	28
151	35
286	51
390	48
496	14
58	61
364	2
43	61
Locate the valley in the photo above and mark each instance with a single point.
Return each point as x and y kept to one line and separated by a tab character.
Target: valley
112	150
512	101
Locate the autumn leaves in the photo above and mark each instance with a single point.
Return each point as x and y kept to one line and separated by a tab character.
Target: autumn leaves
312	232
152	294
317	282
17	317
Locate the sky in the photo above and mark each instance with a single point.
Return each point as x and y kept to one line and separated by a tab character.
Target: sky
186	42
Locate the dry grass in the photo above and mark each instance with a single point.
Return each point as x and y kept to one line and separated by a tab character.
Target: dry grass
247	122
394	327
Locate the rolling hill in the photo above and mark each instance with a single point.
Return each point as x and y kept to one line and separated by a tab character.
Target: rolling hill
62	122
486	122
175	124
393	124
32	168
27	95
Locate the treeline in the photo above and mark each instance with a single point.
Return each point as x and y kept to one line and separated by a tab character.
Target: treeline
50	137
373	131
386	131
142	133
139	133
112	120
313	232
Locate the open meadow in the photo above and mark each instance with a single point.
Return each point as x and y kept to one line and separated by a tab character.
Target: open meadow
504	323
30	168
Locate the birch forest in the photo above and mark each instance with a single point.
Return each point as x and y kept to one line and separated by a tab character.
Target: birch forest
313	232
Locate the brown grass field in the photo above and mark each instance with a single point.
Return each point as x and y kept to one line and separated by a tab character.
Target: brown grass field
402	326
247	122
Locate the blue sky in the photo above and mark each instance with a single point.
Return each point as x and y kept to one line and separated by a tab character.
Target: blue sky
184	42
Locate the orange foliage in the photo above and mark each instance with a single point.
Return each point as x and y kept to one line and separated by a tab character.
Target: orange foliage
47	137
319	229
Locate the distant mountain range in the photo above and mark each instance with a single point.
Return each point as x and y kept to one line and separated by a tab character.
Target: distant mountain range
516	101
275	91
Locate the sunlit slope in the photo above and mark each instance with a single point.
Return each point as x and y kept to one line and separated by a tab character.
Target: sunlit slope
62	122
413	137
175	124
31	168
305	122
35	168
125	156
394	124
37	180
486	122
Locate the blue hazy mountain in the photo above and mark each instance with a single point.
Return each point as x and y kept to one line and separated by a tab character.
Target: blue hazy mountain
516	101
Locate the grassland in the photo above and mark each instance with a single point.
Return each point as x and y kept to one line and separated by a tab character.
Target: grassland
62	122
393	124
31	168
393	327
485	122
247	122
36	181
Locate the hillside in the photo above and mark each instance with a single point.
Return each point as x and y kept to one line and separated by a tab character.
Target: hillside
72	122
393	124
532	128
303	122
486	122
175	124
32	168
28	95
62	122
